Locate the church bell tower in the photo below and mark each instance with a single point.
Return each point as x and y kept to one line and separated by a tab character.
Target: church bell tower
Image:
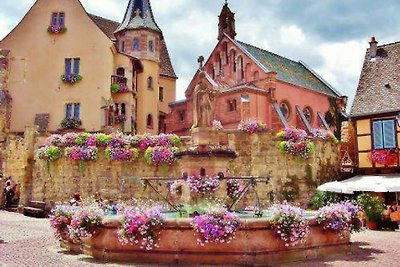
226	22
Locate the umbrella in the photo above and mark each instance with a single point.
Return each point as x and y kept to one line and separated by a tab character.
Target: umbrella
336	187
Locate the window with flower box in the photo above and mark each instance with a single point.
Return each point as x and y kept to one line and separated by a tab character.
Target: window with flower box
72	69
57	23
72	116
384	134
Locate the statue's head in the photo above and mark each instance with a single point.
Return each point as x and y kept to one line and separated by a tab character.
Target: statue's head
202	75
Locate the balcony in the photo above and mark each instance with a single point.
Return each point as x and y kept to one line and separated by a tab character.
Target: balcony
119	84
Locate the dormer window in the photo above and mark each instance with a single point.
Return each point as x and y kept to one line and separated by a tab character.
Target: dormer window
57	24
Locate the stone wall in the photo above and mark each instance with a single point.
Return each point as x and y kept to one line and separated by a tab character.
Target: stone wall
258	155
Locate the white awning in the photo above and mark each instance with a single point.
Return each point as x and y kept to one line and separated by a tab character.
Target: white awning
336	187
365	183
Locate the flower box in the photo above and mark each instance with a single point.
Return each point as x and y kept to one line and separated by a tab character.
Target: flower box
56	29
71	78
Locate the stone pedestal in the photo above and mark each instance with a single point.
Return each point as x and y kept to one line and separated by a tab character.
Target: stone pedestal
203	137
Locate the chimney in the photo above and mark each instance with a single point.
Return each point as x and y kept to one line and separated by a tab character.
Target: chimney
373	47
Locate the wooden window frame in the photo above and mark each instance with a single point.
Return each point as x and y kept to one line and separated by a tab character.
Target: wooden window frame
383	139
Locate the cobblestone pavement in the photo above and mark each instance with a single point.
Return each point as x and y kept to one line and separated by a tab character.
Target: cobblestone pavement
29	242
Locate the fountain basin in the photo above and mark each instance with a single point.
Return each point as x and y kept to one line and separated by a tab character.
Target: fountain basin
256	245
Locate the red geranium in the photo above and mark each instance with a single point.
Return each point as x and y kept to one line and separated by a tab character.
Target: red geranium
385	156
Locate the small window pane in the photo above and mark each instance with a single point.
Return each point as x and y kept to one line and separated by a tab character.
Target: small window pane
76	65
61	19
151	46
135	44
68	65
377	132
77	111
68	111
161	94
54	19
389	134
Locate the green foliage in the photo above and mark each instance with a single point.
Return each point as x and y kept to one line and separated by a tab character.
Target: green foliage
115	88
147	155
371	205
81	139
176	140
53	153
107	153
322	198
280	134
103	139
290	189
281	147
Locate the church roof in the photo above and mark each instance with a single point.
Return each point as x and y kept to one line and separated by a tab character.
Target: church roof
297	73
378	90
138	15
109	27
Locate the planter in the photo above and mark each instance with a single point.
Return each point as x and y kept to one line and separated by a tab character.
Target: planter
372	225
255	244
70	245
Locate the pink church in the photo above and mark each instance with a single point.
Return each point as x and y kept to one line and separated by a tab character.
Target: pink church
255	83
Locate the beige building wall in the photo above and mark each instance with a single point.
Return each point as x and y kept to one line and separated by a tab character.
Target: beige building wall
37	63
148	98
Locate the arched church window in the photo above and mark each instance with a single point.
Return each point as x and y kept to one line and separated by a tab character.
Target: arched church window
232	105
308	113
256	75
136	44
150	83
285	108
241	67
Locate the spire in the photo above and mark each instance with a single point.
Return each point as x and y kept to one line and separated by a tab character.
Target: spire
226	22
138	15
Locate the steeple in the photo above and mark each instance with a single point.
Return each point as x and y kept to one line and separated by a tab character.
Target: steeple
138	15
226	22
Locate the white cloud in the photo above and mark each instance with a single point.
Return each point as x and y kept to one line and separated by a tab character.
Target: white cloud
292	35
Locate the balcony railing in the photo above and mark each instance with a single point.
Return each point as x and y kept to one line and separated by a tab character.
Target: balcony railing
119	84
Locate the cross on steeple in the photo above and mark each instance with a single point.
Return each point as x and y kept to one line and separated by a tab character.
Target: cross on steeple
137	12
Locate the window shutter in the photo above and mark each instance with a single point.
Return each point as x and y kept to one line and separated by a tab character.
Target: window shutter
77	111
389	134
68	111
67	66
76	65
377	134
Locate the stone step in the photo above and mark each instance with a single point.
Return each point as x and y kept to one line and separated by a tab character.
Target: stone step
37	204
34	212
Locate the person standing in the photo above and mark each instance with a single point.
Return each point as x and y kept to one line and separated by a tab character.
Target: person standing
9	194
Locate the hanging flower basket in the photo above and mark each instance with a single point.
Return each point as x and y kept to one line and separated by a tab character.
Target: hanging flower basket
384	157
71	78
56	29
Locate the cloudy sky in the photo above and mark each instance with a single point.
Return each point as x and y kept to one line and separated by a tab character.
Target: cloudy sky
329	35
